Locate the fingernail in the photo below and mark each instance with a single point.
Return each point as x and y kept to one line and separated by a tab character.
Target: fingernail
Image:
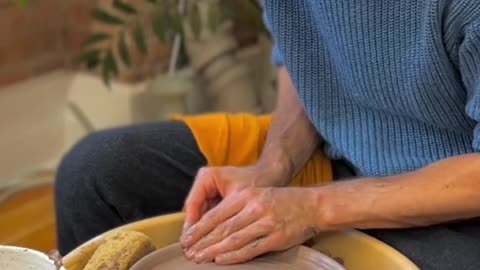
200	257
187	241
190	254
186	227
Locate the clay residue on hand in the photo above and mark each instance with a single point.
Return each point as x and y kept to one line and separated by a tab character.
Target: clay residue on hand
55	256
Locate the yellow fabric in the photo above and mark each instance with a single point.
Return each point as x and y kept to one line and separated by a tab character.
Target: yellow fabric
237	140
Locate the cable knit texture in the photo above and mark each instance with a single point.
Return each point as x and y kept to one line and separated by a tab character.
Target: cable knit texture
391	85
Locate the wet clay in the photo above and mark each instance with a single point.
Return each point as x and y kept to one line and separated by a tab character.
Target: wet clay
55	256
304	258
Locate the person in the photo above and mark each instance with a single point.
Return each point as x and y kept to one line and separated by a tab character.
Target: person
382	96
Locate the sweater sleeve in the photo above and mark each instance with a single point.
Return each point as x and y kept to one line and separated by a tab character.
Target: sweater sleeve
277	58
469	64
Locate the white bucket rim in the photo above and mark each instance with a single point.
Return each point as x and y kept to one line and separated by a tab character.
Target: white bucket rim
36	253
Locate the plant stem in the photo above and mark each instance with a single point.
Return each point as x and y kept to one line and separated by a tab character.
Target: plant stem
177	43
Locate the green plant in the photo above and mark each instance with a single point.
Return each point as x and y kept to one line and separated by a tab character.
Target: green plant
165	19
22	3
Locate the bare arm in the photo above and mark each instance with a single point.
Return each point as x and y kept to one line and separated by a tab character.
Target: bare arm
445	191
290	142
291	138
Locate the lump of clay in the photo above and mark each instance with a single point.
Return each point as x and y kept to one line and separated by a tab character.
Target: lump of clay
304	258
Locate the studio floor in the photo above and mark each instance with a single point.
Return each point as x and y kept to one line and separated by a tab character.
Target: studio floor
27	219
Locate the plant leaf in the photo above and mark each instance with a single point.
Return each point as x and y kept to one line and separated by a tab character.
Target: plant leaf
95	38
244	13
124	7
109	68
23	3
159	27
214	17
105	17
227	8
174	18
91	58
139	39
195	21
123	50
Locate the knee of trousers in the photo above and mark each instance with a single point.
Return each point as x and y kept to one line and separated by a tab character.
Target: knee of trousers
91	165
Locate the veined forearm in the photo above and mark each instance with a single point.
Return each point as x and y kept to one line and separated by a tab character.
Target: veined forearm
445	191
291	138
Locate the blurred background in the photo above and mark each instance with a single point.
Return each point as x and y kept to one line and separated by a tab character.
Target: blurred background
70	67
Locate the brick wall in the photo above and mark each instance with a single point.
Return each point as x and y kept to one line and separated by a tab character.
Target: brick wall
47	34
40	37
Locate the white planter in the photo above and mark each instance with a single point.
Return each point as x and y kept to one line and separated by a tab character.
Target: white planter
229	85
165	96
16	258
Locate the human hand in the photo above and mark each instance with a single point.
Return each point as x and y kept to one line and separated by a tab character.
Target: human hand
212	184
251	222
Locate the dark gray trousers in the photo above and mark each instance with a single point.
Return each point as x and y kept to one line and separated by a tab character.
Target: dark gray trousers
122	175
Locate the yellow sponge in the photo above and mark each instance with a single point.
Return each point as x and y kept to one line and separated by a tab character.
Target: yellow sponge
120	250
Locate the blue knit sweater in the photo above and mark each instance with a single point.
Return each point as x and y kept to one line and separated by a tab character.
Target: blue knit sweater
391	85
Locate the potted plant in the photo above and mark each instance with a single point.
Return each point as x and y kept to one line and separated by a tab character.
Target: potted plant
204	32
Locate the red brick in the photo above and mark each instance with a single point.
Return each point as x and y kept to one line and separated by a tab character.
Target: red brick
13	21
79	15
6	4
47	63
38	45
73	40
11	53
14	75
27	48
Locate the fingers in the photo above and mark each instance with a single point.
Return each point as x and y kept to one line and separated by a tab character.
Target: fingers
245	217
248	252
235	241
195	205
207	206
226	209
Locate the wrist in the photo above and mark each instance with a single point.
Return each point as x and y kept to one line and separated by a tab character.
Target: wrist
275	170
344	205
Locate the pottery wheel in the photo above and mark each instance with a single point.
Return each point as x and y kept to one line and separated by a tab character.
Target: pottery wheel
304	258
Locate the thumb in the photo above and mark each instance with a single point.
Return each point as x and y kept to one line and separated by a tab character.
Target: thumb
202	189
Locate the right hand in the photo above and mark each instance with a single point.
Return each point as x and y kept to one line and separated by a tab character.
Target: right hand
212	184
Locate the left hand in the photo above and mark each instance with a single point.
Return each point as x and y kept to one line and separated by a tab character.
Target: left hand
251	222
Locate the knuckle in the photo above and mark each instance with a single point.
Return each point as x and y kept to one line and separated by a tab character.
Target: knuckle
206	173
231	226
224	230
203	171
278	240
270	223
246	193
260	206
208	240
235	239
268	192
254	211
